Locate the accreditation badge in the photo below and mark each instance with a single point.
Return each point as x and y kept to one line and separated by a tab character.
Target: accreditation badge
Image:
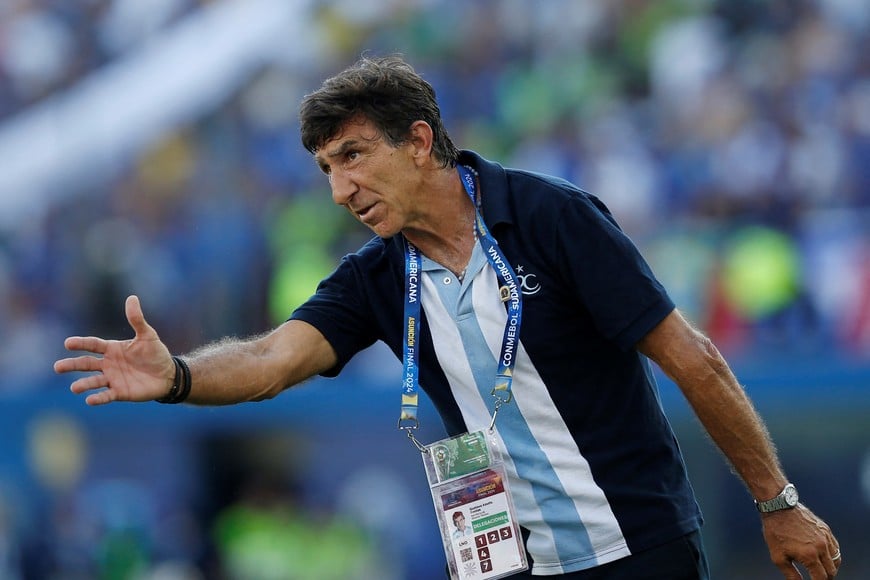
476	516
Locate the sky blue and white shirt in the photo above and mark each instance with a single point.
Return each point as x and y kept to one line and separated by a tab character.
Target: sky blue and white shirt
594	468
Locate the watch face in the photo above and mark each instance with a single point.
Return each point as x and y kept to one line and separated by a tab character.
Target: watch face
791	495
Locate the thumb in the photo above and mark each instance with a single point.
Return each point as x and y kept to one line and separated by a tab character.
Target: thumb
136	317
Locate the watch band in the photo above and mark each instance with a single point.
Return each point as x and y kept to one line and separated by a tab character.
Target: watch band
787	499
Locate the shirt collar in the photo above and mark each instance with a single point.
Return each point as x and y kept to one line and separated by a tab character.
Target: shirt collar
493	187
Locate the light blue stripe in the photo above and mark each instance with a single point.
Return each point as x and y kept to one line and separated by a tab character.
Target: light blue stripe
530	461
558	510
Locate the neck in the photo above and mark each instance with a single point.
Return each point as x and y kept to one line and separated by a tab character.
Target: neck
444	231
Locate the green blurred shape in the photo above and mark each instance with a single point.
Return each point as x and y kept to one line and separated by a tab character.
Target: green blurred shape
537	98
277	542
301	235
295	279
761	271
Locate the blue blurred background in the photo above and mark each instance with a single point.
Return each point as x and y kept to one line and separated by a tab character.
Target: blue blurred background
152	148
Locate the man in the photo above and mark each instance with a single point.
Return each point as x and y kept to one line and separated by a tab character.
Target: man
598	482
462	530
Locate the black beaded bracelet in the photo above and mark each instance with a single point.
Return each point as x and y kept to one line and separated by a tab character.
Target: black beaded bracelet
180	384
186	383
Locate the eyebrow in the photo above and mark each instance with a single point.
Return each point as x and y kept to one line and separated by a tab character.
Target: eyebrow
341	150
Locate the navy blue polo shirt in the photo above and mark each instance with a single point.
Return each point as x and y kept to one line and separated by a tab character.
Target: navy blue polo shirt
593	465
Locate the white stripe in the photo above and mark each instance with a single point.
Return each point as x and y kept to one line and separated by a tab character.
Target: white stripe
453	358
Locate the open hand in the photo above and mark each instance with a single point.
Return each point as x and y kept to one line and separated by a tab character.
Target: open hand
139	369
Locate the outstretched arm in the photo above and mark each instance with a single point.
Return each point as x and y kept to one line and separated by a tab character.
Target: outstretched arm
696	366
226	372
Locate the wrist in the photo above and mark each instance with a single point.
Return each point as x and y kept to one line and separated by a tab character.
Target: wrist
180	388
786	499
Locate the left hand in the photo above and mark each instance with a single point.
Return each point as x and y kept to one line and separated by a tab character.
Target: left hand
797	536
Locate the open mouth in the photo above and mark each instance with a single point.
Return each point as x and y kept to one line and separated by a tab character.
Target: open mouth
365	212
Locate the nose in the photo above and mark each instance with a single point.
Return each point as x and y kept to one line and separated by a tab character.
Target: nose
343	187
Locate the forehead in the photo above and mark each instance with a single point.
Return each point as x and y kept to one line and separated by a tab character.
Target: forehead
358	129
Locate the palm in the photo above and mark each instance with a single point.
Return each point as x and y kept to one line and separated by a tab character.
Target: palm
136	369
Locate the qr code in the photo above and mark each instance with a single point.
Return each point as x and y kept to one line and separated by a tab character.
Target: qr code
466	554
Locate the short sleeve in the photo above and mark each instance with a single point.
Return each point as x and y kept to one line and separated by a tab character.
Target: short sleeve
611	277
339	311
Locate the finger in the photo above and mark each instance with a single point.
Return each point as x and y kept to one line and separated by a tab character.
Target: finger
836	559
135	316
830	568
830	554
100	398
817	569
79	363
90	383
790	571
87	343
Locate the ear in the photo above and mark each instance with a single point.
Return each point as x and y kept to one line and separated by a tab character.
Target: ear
420	139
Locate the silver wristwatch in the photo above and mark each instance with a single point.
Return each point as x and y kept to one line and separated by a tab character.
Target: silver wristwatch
787	499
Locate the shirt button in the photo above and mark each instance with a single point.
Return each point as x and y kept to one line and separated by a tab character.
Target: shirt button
447	280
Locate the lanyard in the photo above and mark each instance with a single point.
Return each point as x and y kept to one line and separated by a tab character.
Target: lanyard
510	294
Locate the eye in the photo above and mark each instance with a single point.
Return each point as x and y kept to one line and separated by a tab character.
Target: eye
351	155
324	168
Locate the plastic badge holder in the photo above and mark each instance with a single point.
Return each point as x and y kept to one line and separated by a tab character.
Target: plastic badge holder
468	481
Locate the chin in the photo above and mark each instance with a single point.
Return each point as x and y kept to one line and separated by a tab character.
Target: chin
384	231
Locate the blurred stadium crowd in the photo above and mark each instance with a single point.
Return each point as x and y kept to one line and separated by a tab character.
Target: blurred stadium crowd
731	140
